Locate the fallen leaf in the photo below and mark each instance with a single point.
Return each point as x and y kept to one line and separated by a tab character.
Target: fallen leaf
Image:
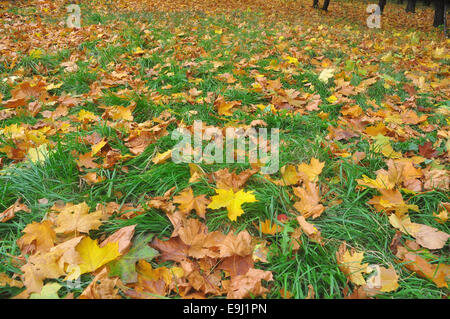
350	264
93	257
232	201
11	211
125	267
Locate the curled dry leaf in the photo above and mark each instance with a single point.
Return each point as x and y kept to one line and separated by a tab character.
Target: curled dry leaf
410	258
310	230
11	211
188	202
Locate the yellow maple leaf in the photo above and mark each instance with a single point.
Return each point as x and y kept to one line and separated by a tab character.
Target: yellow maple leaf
86	116
382	279
269	228
381	182
119	112
93	257
350	264
383	145
291	60
289	175
36	53
331	99
232	201
311	171
38	154
97	147
76	218
162	157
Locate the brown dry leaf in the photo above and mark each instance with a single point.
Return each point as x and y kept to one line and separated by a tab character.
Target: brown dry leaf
310	230
240	244
243	286
102	287
123	237
409	257
50	264
39	237
350	264
226	180
426	236
427	151
11	211
358	157
311	293
208	283
236	265
173	249
296	242
431	238
309	196
188	202
27	90
76	218
86	160
391	201
289	175
195	235
137	142
436	178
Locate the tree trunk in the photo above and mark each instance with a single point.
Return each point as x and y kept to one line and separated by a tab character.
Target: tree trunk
316	4
325	5
427	2
439	8
411	6
400	1
382	4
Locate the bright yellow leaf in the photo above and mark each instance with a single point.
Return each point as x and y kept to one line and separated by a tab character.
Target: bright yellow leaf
232	201
93	256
